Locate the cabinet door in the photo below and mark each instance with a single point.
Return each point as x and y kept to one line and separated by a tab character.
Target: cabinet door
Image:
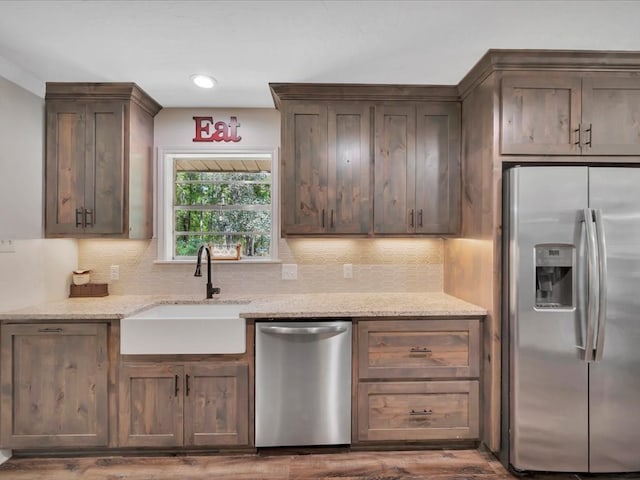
217	404
151	406
65	168
437	208
611	114
395	157
85	168
54	385
349	157
540	113
410	411
105	167
304	169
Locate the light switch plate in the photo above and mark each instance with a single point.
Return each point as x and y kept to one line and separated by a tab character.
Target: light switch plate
115	272
347	270
289	271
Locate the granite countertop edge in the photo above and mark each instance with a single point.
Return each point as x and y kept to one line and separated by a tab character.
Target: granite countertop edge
309	305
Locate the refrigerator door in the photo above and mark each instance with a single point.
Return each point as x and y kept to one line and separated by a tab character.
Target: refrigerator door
548	375
614	396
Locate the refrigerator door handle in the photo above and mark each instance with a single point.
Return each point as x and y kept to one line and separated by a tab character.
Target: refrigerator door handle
592	287
602	285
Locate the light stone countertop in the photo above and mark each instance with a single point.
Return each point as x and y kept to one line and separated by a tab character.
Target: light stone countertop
310	305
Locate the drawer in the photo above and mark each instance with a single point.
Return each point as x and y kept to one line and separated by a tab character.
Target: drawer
411	411
419	349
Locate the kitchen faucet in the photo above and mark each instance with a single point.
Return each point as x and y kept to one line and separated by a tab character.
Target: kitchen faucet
210	290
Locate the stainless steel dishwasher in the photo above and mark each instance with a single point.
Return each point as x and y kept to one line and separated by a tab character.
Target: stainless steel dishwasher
303	383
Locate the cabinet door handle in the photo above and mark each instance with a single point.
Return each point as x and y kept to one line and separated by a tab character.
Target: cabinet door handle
590	132
420	218
331	224
421	413
322	220
187	389
577	136
176	388
88	213
419	350
411	218
50	330
80	218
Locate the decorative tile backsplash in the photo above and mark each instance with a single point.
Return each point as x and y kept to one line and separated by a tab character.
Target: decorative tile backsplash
385	265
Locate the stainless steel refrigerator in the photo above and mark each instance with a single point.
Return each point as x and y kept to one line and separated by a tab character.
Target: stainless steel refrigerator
572	318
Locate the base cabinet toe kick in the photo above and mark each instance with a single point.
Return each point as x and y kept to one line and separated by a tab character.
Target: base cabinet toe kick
372	383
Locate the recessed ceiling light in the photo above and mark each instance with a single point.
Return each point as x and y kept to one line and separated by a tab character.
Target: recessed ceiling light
203	81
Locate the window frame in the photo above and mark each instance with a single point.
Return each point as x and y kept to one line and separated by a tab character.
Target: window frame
163	204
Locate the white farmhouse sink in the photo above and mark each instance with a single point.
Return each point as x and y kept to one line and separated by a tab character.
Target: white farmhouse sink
184	329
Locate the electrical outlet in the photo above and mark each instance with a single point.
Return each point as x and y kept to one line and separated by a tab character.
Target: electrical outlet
7	246
289	271
115	272
347	270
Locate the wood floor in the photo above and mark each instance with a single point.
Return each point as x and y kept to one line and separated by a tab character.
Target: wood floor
413	465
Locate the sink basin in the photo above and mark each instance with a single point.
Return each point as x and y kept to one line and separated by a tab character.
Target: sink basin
184	329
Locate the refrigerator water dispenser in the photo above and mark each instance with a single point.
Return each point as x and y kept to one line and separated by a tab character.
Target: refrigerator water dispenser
554	276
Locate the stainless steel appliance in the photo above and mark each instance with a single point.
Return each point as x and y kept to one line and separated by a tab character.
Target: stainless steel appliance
572	318
303	383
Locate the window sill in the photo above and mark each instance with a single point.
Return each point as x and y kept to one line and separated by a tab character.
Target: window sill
218	262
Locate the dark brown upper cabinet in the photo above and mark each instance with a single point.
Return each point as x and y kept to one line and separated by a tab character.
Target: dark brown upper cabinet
417	168
98	169
369	159
325	168
570	113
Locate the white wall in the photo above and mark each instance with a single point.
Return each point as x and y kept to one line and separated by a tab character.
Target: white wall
21	154
259	127
38	270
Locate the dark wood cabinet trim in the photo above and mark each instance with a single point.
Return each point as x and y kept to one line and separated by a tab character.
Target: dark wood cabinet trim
102	92
361	92
548	60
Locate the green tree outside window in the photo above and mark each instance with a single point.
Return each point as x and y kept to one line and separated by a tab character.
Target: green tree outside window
221	207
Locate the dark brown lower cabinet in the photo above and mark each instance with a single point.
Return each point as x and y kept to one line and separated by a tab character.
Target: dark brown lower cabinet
417	380
54	385
168	405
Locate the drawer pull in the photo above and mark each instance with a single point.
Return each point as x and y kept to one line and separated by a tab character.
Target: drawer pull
50	330
420	350
422	413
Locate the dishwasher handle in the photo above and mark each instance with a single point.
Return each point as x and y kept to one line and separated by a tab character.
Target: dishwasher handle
302	330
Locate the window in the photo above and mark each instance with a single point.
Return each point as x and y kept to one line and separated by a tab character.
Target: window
220	199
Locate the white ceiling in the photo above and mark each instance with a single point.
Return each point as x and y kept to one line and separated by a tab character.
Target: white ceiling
246	45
